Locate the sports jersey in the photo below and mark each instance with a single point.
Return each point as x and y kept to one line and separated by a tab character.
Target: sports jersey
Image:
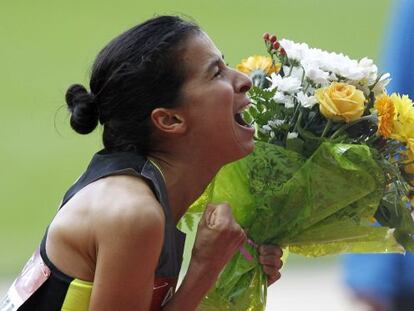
42	286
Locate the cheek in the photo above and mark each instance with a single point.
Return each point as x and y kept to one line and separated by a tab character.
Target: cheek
224	99
214	105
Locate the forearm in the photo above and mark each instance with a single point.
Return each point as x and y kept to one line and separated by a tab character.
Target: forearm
195	285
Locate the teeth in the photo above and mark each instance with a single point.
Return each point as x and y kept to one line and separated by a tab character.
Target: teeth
244	108
240	120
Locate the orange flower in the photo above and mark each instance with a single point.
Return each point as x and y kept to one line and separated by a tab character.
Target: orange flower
386	115
409	167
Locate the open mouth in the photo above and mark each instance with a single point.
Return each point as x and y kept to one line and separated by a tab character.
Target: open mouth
238	117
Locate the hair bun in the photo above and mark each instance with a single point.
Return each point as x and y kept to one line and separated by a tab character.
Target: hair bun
83	109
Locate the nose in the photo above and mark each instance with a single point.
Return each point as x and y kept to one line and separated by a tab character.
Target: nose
242	82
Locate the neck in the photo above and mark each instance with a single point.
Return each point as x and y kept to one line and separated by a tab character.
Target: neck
185	177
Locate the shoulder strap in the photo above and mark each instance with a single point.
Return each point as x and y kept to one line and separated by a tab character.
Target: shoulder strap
104	164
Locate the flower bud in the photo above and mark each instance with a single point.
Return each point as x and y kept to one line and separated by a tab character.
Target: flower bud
273	38
282	52
266	36
276	45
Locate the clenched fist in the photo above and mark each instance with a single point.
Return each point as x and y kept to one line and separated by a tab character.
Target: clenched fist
270	258
218	237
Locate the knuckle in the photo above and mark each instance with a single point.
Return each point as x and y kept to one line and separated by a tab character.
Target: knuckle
270	250
261	260
278	251
243	235
225	205
269	271
278	276
235	229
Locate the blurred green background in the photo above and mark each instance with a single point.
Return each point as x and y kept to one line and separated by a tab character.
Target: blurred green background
47	45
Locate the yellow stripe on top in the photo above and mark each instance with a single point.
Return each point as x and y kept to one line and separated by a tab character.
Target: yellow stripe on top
78	296
159	168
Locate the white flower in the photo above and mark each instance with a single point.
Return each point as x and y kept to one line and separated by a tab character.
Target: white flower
276	122
352	72
296	51
361	85
292	135
295	72
314	73
282	98
379	88
289	103
333	77
266	128
305	100
369	69
284	84
279	97
321	66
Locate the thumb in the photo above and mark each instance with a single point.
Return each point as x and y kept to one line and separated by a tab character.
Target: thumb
209	214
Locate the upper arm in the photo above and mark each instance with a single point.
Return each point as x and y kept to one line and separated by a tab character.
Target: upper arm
129	243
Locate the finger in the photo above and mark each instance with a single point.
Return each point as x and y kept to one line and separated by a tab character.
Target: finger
271	272
209	209
270	250
224	210
223	217
212	218
243	236
271	280
207	215
271	260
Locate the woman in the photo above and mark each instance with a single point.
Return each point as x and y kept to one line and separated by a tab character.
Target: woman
171	115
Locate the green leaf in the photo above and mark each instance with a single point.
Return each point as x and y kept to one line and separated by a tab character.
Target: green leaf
295	144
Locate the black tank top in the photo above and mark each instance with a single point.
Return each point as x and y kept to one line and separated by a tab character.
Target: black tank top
63	292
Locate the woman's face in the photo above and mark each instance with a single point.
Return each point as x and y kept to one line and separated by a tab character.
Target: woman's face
212	100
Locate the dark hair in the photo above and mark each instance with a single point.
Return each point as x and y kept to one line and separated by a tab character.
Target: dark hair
135	73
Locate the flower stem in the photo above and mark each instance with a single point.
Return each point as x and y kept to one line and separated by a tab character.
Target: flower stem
303	78
295	113
298	120
376	82
327	128
306	88
348	125
290	71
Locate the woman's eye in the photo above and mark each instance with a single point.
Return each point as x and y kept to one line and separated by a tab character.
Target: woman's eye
218	73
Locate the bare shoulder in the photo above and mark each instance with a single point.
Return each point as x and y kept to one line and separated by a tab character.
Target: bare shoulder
126	205
129	232
110	216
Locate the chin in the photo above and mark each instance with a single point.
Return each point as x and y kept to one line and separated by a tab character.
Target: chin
248	148
244	150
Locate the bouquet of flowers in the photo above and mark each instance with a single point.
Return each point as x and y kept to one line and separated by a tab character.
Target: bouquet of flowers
332	171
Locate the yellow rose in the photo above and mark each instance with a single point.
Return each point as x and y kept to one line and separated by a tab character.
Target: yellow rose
341	102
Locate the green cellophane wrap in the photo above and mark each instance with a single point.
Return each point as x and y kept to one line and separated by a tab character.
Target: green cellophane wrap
313	207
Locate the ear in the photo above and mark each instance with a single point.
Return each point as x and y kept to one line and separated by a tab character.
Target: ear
168	121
